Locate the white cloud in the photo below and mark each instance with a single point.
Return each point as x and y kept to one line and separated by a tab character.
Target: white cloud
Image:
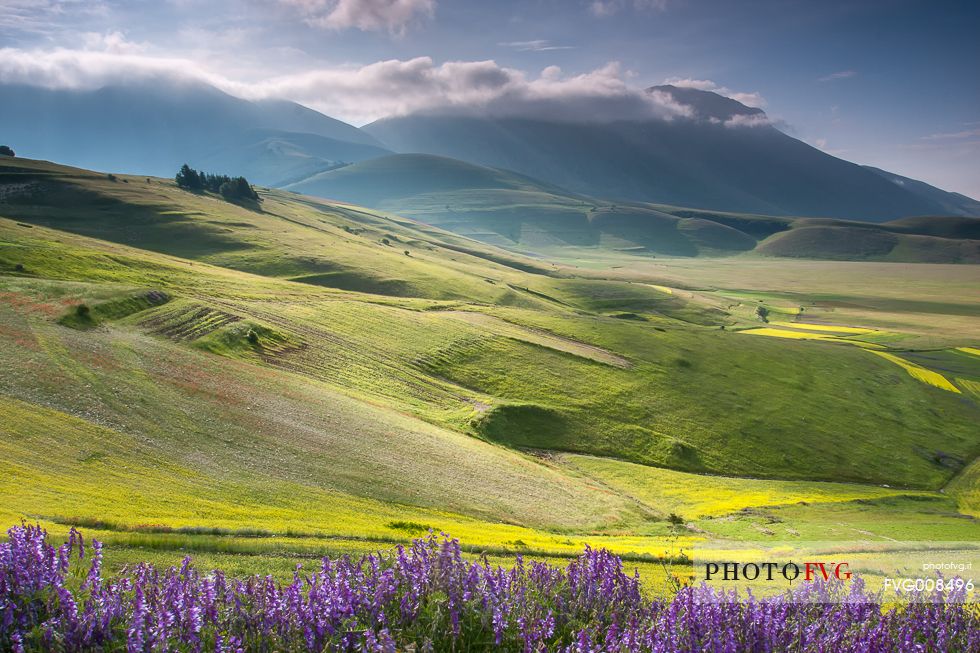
823	145
843	74
360	94
949	136
754	120
365	15
398	87
86	69
38	16
603	8
754	99
537	45
111	42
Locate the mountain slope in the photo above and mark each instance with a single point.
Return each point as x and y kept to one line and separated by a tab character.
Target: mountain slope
153	127
276	158
373	182
507	209
726	157
513	211
950	203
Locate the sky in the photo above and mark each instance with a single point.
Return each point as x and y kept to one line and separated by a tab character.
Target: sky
889	83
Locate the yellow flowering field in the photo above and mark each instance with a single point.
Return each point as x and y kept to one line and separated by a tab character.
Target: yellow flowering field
919	372
697	495
832	328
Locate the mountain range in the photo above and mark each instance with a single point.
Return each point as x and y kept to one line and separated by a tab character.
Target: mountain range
725	156
153	128
532	184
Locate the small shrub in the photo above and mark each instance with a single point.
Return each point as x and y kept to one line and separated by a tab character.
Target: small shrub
111	177
763	313
82	311
410	526
252	337
6	151
675	520
19	267
385	241
237	189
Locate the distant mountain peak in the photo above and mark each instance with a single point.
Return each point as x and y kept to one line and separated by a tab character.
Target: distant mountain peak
708	105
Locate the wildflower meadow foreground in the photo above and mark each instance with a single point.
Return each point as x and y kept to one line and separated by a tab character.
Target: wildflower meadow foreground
427	597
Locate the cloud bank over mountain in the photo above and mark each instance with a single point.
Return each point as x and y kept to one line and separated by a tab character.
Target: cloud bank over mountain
361	94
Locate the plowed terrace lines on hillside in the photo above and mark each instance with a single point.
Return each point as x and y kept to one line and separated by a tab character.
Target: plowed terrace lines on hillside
327	356
190	323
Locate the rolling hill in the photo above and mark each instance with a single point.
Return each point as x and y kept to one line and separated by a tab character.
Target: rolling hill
304	374
399	176
509	210
860	242
412	274
725	157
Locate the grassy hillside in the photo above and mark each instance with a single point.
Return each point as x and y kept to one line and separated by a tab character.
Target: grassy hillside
858	243
509	210
504	208
284	237
403	175
297	381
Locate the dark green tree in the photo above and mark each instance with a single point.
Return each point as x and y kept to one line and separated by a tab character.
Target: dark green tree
189	178
238	189
6	151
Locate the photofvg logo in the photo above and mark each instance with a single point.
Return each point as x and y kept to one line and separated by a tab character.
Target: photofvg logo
827	571
772	571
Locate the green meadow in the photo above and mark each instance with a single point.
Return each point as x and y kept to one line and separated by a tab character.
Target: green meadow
261	384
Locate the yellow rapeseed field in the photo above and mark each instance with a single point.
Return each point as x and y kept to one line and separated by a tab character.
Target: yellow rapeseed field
696	495
919	372
789	333
832	328
973	387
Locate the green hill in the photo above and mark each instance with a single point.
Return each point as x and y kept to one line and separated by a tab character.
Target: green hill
890	242
503	208
512	211
285	368
398	176
945	227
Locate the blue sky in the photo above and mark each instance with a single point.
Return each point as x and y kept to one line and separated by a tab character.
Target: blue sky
889	83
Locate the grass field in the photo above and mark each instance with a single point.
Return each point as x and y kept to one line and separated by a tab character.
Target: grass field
279	381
